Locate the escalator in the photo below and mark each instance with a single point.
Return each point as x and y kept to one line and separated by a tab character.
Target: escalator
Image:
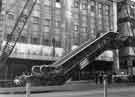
62	70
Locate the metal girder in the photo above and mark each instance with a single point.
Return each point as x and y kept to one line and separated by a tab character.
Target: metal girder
16	31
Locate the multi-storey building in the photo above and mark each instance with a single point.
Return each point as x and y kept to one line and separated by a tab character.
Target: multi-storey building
126	17
54	29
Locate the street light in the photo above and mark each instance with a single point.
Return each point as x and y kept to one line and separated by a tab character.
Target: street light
24	79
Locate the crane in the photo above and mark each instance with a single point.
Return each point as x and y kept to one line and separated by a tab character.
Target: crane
16	32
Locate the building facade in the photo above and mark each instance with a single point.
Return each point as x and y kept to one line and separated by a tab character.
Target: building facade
126	27
54	28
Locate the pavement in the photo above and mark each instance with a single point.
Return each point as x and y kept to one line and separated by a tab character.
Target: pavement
75	86
111	92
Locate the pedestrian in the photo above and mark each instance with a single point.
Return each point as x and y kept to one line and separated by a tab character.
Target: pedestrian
96	77
101	78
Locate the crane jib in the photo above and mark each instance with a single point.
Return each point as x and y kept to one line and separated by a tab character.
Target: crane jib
16	31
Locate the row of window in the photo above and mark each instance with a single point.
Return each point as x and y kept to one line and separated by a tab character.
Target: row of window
81	32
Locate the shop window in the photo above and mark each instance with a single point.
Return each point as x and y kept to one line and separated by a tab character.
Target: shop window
46	38
124	64
35	40
46	42
57	43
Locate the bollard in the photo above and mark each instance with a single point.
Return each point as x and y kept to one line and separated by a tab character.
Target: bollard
105	85
28	86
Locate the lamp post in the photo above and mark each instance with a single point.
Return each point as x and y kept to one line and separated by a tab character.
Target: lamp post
105	85
28	86
25	78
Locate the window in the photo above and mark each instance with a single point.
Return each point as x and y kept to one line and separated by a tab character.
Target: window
1	17
35	40
76	3
57	0
46	29
56	41
58	5
92	20
93	7
100	9
84	4
106	9
47	22
37	7
35	27
35	13
35	20
76	38
57	23
84	37
46	42
47	2
84	18
46	38
76	27
10	16
23	39
46	35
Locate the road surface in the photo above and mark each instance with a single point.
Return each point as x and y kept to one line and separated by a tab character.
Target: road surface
112	92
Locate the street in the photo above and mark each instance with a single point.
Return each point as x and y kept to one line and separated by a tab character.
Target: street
112	92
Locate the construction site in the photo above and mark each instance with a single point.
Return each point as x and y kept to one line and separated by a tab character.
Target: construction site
55	41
